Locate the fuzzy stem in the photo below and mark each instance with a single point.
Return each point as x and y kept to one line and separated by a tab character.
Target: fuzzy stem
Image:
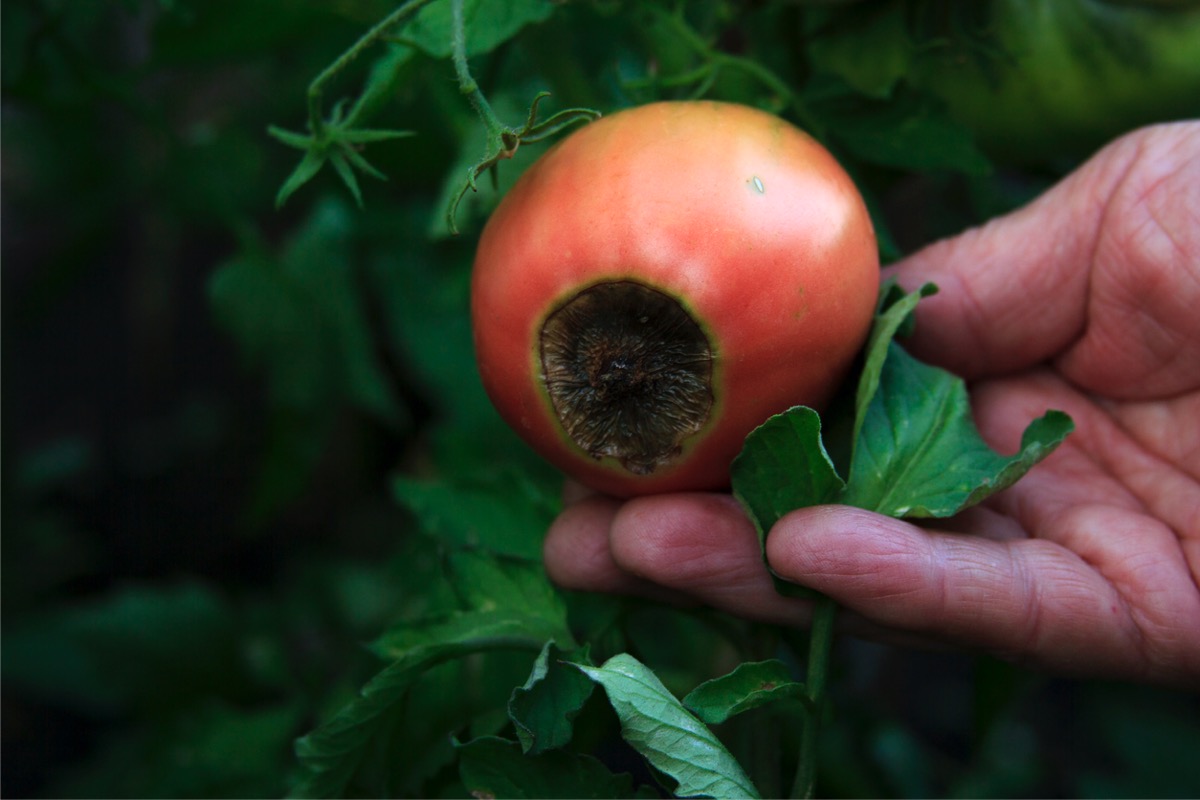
317	88
466	82
820	646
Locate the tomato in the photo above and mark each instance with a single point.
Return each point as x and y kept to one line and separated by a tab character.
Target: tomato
662	281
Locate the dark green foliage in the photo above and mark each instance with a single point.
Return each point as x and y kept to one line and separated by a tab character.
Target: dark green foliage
263	533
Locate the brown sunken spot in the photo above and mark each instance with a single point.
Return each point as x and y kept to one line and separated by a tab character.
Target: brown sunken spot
629	373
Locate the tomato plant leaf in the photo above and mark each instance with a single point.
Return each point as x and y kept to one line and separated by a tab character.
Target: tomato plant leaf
299	316
386	74
488	24
290	138
914	448
213	749
498	597
783	463
894	315
366	136
505	513
342	167
485	582
909	131
310	164
141	648
482	628
493	767
355	159
505	604
919	454
838	44
751	684
544	708
332	754
670	737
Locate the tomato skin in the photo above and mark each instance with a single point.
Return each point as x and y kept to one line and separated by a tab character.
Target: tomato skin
748	222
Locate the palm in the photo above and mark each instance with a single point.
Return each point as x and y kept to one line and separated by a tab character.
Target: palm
1097	551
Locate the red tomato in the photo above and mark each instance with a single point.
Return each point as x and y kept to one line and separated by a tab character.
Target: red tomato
661	282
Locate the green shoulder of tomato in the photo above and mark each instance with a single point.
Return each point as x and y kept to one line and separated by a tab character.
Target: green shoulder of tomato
1034	80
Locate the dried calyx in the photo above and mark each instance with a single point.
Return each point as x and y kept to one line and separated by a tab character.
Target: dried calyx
629	373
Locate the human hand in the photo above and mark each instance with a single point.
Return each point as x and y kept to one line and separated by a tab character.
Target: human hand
1088	301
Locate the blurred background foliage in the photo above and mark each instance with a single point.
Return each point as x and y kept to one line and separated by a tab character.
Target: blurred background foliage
239	441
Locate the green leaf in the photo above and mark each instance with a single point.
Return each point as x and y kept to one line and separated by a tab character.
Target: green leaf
749	686
488	24
895	313
919	453
355	159
674	741
144	648
308	167
783	463
422	291
369	135
387	73
485	581
342	167
909	131
783	466
495	767
1146	735
424	300
914	447
301	318
917	137
482	629
878	29
507	515
499	598
332	754
209	750
291	139
543	710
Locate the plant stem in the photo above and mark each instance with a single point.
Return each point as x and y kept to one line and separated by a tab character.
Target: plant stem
820	646
317	88
715	60
466	82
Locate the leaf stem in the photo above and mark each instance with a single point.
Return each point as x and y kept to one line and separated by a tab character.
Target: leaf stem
316	89
716	60
820	646
466	82
502	140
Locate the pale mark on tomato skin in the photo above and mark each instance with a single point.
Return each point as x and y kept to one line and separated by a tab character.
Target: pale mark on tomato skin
757	184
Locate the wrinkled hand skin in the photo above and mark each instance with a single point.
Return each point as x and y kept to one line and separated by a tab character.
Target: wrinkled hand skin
1086	300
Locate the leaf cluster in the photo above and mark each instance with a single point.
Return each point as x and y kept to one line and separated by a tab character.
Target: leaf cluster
911	446
915	458
263	532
